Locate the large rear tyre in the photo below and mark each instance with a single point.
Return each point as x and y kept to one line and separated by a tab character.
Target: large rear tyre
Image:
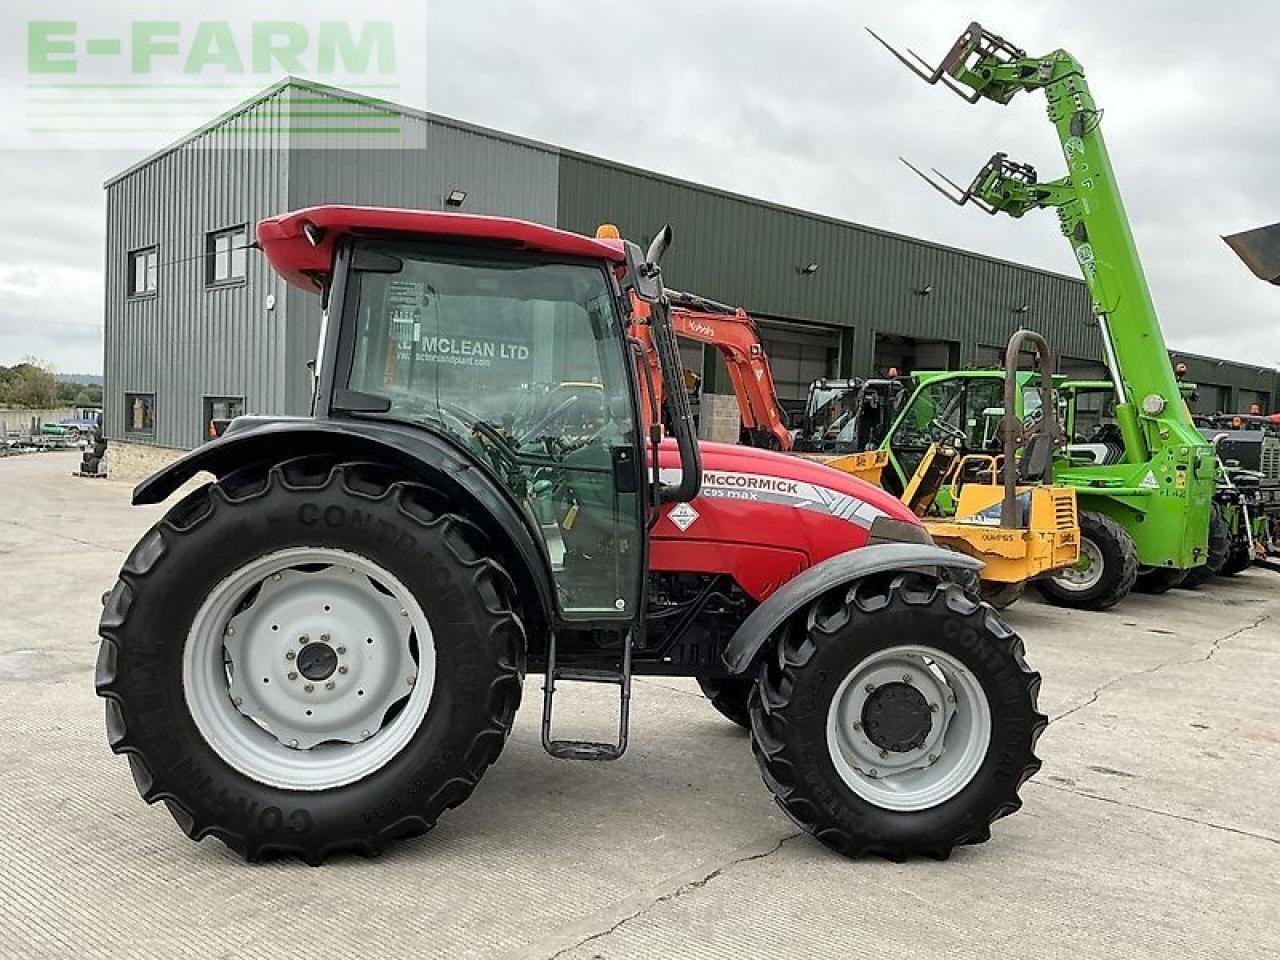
1105	573
729	696
900	720
311	660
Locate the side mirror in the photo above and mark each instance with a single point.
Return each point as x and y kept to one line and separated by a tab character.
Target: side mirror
644	276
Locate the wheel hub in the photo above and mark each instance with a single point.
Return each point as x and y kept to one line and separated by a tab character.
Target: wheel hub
897	718
309	667
317	661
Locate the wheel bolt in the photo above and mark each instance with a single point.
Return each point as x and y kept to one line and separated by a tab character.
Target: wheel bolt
329	685
906	678
342	650
292	675
873	772
412	680
231	631
275	577
933	758
404	613
288	654
857	724
342	669
324	638
884	754
310	687
236	701
933	707
364	734
294	744
303	640
951	698
870	688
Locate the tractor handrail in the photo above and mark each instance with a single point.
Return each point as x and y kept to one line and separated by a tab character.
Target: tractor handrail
1015	432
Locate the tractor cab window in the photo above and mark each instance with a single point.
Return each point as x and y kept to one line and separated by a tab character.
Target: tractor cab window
521	363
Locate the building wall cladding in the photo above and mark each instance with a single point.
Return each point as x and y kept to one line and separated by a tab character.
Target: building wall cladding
749	252
190	340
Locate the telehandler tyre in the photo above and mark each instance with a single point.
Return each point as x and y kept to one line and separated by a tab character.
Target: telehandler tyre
729	696
897	718
1219	551
1159	580
1106	572
1239	560
311	659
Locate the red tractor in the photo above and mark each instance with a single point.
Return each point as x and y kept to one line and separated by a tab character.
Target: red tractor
323	649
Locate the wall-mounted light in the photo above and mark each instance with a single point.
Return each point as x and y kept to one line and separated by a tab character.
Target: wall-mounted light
808	270
456	198
925	290
1022	308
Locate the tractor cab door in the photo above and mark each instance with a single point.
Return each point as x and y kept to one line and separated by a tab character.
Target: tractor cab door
520	363
940	410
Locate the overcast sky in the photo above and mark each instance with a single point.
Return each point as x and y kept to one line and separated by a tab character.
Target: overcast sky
793	103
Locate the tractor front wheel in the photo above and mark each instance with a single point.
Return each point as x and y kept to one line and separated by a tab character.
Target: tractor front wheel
1001	595
1105	573
900	720
1159	580
310	659
1219	550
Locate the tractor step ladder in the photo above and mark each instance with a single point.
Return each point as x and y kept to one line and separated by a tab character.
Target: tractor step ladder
586	749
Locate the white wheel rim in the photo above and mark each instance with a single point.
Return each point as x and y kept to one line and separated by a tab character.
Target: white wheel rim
1087	571
952	750
301	674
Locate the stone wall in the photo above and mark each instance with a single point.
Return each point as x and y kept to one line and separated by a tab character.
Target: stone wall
132	462
719	420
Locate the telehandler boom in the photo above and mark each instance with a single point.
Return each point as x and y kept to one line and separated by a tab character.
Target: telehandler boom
1151	509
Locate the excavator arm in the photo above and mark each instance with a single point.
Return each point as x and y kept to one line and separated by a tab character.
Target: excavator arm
732	332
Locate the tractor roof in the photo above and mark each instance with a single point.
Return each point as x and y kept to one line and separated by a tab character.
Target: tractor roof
305	260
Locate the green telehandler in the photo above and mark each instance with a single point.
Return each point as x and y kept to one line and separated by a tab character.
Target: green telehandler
1146	508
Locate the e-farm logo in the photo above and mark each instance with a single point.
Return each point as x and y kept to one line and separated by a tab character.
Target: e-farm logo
98	79
287	46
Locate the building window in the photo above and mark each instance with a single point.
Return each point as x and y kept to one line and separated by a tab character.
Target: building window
224	255
142	272
140	414
220	411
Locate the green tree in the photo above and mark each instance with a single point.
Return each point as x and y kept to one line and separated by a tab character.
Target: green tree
32	385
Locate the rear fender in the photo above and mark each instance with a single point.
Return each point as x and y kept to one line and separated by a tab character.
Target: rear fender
831	574
418	453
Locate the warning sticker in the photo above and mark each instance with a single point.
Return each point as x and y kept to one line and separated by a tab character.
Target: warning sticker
683	516
1149	481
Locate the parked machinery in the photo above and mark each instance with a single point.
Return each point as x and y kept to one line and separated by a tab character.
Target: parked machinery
323	649
1150	511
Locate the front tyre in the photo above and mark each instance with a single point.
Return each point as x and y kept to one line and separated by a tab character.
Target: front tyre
900	720
1105	573
312	659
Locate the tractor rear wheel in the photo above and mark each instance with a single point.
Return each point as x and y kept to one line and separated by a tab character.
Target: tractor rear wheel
1105	573
899	720
729	696
312	659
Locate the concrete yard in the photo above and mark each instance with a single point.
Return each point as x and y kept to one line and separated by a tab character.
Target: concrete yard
1152	831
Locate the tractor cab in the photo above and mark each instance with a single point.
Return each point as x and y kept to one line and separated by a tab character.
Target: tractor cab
513	353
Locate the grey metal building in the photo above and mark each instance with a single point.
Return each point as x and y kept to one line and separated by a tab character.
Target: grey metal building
198	329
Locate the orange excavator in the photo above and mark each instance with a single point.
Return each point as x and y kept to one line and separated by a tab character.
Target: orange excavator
732	332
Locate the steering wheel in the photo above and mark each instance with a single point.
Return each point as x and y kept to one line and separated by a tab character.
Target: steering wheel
948	430
560	410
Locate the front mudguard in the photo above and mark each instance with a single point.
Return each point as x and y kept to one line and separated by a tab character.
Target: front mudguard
833	573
